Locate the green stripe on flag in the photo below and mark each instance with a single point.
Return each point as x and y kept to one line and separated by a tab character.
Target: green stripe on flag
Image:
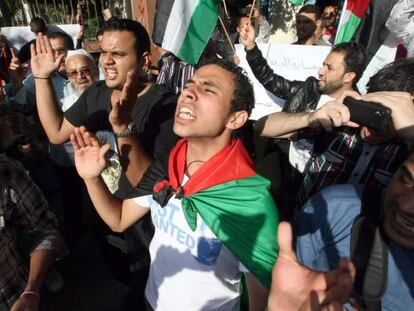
348	29
199	31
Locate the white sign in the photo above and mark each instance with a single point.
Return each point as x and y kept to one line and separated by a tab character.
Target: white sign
19	36
293	62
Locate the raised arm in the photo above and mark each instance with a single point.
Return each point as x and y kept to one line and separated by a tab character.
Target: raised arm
135	159
44	65
90	162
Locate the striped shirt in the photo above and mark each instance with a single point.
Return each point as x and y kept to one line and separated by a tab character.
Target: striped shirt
343	157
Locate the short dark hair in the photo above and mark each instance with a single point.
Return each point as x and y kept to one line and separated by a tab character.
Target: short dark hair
37	24
243	96
355	58
64	36
311	8
142	40
396	76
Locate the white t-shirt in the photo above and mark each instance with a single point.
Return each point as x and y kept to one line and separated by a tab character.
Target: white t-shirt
300	150
189	270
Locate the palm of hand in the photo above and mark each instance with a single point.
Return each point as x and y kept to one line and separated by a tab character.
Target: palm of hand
43	64
89	161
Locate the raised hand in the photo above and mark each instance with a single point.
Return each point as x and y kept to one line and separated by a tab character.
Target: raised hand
247	36
16	70
295	287
43	61
89	154
122	104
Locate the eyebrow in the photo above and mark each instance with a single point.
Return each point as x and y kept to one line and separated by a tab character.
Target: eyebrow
208	83
407	172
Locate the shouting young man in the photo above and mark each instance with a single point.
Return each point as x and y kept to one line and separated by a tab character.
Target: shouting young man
214	217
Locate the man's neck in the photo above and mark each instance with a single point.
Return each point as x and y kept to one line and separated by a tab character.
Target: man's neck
308	41
339	92
200	150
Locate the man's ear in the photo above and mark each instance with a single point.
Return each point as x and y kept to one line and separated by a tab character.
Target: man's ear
237	119
349	77
146	58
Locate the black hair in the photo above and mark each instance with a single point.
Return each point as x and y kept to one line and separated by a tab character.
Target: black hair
355	58
64	36
142	40
37	24
243	95
396	76
311	8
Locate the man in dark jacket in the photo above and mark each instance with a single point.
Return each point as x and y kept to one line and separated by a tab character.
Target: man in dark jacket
340	72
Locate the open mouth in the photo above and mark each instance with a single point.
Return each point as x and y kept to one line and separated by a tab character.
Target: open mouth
186	114
111	73
404	223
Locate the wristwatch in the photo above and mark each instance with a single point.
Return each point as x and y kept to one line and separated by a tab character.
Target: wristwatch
128	132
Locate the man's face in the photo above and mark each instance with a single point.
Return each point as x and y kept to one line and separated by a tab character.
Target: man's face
118	56
203	108
331	75
399	205
305	25
81	72
59	47
329	13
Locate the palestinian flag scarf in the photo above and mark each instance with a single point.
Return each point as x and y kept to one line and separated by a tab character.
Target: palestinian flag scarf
233	201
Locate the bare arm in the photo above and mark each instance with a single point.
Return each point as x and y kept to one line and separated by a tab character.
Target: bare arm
282	124
44	64
285	124
40	263
135	160
90	162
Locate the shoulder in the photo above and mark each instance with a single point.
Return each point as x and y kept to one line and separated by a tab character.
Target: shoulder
339	203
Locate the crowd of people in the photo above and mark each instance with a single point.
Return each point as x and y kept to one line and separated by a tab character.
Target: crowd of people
168	162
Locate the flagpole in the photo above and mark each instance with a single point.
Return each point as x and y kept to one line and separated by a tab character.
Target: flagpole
251	10
227	35
225	9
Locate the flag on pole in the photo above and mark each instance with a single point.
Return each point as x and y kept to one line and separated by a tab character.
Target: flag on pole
352	14
184	27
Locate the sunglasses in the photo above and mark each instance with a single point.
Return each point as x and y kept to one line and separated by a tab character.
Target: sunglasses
74	73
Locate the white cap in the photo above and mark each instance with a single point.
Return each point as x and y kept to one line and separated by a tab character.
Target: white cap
78	52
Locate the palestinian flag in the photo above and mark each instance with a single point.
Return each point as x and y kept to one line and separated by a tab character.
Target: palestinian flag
232	200
352	14
184	27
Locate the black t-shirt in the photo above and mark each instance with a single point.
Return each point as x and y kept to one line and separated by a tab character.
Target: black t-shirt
153	115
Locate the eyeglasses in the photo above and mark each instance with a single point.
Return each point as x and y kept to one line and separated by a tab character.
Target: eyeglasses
74	73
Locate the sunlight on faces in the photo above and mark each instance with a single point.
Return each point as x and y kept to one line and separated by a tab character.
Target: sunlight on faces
81	72
118	56
203	108
399	205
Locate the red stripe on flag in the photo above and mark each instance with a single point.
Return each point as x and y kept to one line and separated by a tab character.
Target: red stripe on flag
357	7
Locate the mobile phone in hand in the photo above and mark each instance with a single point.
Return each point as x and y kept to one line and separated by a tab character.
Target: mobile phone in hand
369	114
